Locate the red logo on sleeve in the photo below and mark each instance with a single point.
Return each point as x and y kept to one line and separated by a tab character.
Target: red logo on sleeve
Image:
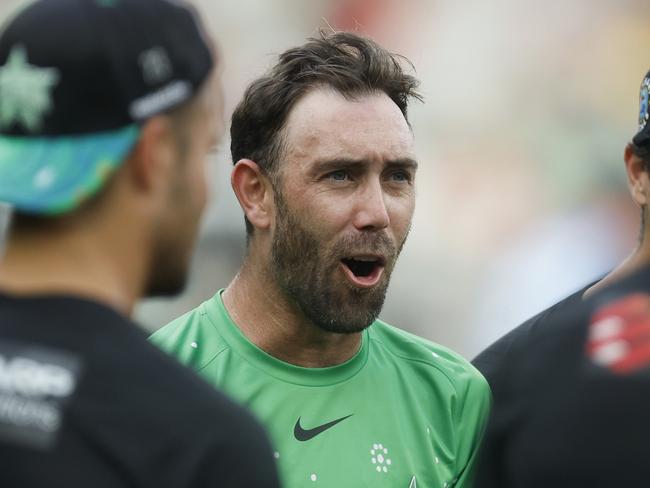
619	334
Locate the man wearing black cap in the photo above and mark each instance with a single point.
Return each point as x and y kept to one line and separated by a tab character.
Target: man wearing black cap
570	387
107	112
494	360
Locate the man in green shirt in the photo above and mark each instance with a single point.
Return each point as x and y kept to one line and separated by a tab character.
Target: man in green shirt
325	173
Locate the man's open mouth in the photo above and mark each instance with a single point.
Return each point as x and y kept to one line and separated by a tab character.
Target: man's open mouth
364	271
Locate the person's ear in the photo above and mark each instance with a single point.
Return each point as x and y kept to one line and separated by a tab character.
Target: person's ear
153	157
254	192
637	175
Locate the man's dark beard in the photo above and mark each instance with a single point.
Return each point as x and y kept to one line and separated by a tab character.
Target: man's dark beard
168	276
169	271
306	273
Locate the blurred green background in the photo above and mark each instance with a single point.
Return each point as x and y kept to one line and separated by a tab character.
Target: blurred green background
522	195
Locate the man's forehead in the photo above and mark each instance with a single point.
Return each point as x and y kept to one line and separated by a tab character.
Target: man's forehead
324	106
327	123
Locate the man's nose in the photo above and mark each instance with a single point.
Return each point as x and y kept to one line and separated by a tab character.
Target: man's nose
371	212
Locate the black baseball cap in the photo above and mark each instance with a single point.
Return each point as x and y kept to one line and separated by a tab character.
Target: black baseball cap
77	80
642	137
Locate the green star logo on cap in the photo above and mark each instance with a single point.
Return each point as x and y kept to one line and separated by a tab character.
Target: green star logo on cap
25	91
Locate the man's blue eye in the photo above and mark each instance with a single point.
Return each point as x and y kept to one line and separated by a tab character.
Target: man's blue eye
338	175
401	176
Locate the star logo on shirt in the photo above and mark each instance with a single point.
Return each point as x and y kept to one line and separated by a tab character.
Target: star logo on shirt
25	91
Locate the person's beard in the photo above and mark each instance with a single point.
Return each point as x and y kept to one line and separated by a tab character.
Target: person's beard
169	271
174	242
308	273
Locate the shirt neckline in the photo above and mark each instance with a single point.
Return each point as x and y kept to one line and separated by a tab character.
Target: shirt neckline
290	373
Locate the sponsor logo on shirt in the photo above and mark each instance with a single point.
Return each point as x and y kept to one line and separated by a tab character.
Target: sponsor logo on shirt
303	435
619	334
35	385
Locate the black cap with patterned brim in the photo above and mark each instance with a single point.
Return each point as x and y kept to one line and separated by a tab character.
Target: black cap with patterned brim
77	79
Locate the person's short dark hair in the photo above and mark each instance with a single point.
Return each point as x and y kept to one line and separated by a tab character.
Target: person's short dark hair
642	152
348	63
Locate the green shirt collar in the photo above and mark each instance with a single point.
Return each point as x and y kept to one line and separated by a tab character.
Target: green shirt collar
232	334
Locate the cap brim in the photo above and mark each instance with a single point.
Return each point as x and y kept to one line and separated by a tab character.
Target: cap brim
53	175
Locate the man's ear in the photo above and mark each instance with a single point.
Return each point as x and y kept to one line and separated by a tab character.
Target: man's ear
637	175
152	158
254	192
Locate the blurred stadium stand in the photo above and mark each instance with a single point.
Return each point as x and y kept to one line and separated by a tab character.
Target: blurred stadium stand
521	191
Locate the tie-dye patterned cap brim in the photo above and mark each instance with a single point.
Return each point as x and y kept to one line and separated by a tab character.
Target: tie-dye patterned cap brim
642	138
53	175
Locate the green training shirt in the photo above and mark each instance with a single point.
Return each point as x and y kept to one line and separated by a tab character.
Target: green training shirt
403	412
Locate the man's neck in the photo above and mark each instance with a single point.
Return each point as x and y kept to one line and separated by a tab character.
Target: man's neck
635	261
274	323
79	265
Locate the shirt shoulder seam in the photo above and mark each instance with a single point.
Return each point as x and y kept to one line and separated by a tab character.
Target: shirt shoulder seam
417	360
213	358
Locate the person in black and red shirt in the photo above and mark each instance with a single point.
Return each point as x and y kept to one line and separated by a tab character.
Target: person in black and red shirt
572	408
495	358
571	387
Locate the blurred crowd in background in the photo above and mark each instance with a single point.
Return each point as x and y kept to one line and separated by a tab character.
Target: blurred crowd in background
522	196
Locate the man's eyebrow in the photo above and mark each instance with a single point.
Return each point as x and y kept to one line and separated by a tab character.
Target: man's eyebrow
327	165
403	163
